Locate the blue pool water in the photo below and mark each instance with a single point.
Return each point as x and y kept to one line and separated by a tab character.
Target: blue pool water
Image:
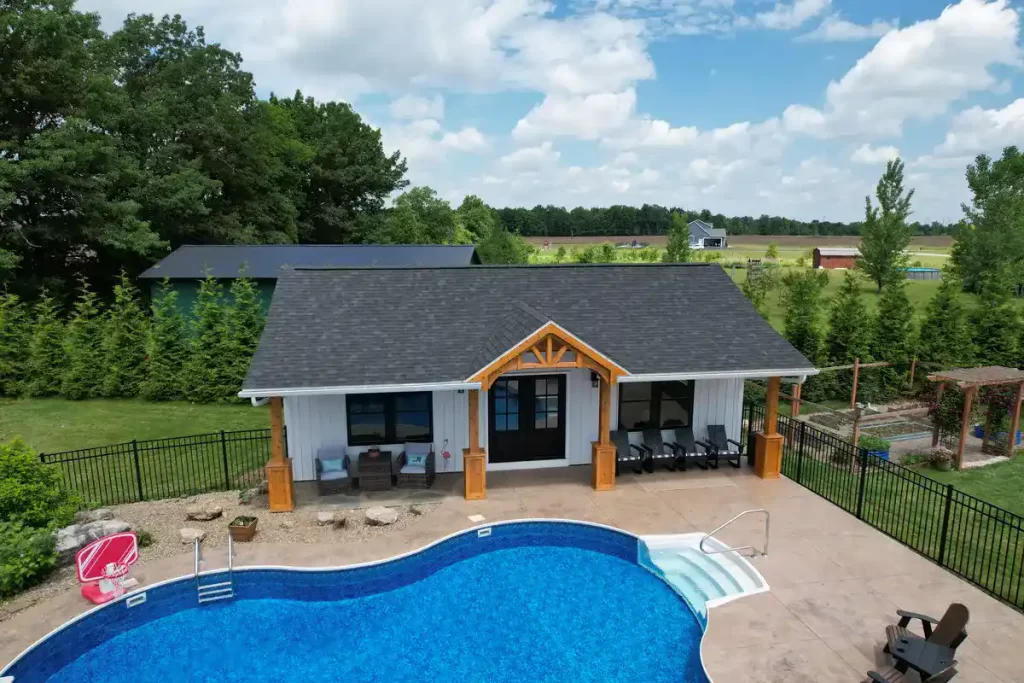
522	614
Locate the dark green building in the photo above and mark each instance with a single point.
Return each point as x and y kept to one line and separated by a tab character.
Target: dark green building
187	265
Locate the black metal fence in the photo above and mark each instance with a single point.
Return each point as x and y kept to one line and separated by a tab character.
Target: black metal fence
164	468
979	541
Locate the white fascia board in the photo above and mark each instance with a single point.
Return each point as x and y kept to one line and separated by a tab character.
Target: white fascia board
739	374
364	389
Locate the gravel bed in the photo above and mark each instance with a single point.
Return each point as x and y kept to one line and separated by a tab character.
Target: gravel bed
165	518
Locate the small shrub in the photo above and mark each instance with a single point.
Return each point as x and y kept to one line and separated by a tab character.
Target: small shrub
915	459
31	493
916	264
941	458
144	537
26	557
873	443
242	520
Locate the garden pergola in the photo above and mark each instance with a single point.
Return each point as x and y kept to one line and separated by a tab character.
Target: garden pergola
970	380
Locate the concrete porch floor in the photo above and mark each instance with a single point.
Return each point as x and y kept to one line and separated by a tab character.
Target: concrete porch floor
835	582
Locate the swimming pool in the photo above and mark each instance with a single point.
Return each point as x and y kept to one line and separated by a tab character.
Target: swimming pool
520	601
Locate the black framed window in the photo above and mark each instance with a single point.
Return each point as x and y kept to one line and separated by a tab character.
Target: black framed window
375	419
655	404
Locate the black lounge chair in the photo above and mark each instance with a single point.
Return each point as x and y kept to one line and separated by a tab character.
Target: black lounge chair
657	449
722	447
895	676
685	449
626	452
949	631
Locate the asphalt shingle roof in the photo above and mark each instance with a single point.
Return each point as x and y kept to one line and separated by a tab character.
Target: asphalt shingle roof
356	327
264	261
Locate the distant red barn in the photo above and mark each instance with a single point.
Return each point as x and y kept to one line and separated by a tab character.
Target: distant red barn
835	257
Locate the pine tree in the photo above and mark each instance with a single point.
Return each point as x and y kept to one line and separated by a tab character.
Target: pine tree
246	322
124	342
208	368
46	358
996	327
14	335
165	349
893	339
678	249
849	331
801	297
83	346
946	338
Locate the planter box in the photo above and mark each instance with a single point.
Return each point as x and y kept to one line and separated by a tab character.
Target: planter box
979	433
884	455
243	534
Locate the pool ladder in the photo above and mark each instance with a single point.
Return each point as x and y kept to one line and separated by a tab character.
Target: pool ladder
754	552
219	590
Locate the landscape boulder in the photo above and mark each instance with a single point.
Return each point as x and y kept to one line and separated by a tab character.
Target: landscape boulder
71	539
189	535
97	515
203	513
381	516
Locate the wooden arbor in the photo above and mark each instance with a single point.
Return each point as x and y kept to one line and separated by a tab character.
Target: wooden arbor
551	347
970	380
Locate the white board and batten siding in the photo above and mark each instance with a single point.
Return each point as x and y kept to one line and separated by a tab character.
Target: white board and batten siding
316	422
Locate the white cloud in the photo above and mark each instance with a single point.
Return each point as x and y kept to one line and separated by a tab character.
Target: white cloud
587	117
978	130
866	154
531	158
916	72
426	140
789	15
836	29
413	107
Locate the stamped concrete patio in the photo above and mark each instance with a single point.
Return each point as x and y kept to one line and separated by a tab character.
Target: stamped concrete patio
835	582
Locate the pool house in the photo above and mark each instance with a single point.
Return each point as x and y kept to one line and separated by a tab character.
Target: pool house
489	368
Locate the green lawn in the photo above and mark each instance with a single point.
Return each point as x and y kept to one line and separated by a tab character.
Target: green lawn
1001	485
49	425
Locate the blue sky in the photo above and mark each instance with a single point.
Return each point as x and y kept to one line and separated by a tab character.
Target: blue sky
744	107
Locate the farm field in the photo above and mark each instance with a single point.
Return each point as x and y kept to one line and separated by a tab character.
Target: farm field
929	252
53	424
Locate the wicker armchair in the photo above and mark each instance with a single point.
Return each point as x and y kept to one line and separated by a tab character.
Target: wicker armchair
333	481
416	476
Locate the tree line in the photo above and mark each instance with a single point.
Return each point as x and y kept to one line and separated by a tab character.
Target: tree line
988	258
651	219
122	350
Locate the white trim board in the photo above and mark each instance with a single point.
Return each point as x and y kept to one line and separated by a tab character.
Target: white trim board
360	389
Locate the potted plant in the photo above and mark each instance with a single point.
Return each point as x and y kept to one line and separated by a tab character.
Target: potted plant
941	459
875	446
373	451
242	528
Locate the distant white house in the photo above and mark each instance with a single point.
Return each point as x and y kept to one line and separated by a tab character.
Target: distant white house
706	236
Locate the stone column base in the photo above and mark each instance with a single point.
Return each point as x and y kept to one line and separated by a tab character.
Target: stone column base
280	488
474	466
768	455
602	466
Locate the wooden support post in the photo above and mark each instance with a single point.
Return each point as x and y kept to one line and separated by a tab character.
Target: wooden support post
964	420
1011	446
856	376
856	425
768	443
913	371
794	403
938	415
280	487
474	459
602	454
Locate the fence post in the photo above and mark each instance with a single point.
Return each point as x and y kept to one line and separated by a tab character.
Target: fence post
863	456
138	468
800	452
945	525
224	455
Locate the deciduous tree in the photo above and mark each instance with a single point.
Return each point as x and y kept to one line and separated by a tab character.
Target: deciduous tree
678	249
885	234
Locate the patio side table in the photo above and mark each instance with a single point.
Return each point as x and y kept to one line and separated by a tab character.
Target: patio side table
375	472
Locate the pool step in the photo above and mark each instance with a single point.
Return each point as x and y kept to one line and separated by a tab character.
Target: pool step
703	580
218	590
211	592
